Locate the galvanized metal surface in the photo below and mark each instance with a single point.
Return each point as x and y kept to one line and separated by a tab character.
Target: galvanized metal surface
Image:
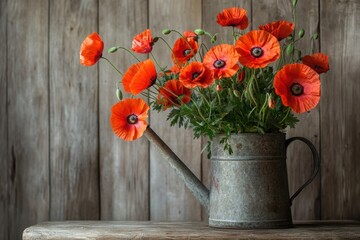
249	188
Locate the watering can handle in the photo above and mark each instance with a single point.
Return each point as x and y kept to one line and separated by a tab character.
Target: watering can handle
316	163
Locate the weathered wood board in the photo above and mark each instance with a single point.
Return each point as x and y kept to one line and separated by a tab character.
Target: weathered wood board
185	230
74	166
124	166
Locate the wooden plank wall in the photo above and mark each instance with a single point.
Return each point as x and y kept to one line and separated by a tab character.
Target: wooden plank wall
59	159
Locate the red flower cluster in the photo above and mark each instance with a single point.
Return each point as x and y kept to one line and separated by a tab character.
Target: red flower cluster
295	85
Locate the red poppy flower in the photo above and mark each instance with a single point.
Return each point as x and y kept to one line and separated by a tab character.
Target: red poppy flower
222	60
235	17
128	118
257	49
139	77
143	42
280	29
184	50
173	93
317	61
190	35
91	49
298	86
196	74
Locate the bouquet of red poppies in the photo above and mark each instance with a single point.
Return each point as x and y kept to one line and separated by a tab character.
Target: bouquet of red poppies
254	84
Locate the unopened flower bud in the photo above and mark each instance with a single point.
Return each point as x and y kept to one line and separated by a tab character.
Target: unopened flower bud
301	33
119	94
316	36
294	2
236	93
289	49
219	87
113	49
166	31
155	39
199	31
271	103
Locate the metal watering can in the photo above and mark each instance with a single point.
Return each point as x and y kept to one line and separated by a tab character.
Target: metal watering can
249	189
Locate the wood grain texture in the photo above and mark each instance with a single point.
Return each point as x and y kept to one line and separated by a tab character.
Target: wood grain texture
186	230
28	116
124	166
73	113
306	206
4	163
340	118
209	11
169	198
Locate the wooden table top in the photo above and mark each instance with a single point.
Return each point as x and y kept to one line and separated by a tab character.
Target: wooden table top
186	230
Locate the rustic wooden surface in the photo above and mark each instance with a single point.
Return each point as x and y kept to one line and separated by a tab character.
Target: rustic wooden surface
169	198
27	114
73	114
4	165
185	230
59	158
306	205
340	121
124	166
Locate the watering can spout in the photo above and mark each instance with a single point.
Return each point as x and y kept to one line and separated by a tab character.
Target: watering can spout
196	187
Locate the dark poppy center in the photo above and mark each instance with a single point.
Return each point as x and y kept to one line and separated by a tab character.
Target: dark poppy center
187	52
256	52
132	119
219	63
195	75
297	89
317	67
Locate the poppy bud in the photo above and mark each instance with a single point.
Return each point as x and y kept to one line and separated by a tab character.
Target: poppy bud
271	103
155	39
119	94
294	2
218	87
112	49
166	31
199	31
289	49
316	36
301	33
236	93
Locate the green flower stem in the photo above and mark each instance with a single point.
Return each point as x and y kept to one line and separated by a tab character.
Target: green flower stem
167	44
203	96
294	33
113	65
286	115
156	62
132	54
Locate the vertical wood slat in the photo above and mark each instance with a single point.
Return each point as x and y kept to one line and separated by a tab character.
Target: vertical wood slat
340	121
28	122
170	200
210	9
4	165
124	166
73	113
306	205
